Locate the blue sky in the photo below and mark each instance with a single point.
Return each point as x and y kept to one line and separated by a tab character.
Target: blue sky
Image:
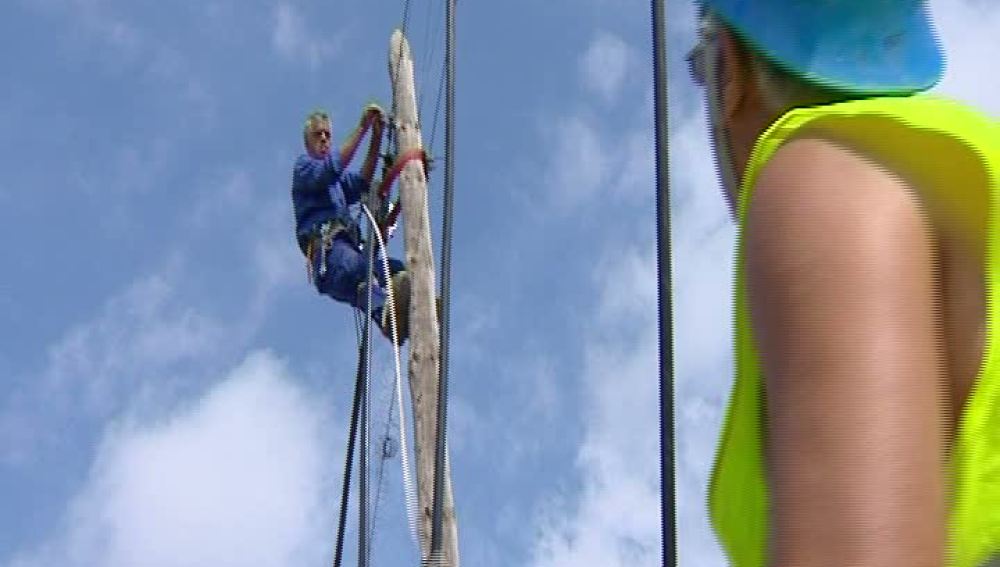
172	391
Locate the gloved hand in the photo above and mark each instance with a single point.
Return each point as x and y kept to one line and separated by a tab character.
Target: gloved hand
373	106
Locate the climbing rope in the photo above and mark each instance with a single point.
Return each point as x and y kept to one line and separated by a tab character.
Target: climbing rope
410	492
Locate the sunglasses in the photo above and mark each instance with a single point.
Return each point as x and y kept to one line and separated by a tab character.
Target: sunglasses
697	65
697	58
321	134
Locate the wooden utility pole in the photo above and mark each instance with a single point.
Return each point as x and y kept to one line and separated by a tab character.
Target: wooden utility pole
424	326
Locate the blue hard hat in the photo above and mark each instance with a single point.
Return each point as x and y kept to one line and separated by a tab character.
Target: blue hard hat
861	46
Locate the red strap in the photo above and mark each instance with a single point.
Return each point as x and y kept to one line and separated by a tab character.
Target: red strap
390	178
397	168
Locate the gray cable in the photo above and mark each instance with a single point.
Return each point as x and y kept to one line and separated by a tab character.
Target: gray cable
668	500
449	177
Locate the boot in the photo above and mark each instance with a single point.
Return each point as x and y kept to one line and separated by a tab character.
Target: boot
400	282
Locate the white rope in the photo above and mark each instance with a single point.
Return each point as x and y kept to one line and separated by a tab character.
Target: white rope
410	492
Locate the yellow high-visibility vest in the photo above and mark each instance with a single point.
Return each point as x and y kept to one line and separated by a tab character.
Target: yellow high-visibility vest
947	146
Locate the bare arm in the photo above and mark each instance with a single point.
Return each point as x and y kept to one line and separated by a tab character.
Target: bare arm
376	113
356	184
841	283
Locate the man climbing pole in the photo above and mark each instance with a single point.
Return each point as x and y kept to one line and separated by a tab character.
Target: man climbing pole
861	427
329	236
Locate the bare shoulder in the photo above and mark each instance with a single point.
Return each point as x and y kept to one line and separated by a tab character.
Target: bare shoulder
836	246
819	202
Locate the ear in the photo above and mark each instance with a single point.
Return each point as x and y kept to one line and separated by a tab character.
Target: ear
734	75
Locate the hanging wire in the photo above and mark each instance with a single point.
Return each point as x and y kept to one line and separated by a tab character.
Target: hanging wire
357	326
668	499
432	33
432	41
352	429
449	176
387	427
379	482
406	13
363	547
437	104
362	399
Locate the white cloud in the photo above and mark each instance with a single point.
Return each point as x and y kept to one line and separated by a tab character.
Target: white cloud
637	173
605	65
579	166
616	519
294	41
968	31
128	42
239	478
98	366
231	193
277	261
100	20
616	512
138	333
263	239
155	335
591	158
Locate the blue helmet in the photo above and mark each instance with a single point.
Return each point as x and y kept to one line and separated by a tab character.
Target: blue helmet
859	46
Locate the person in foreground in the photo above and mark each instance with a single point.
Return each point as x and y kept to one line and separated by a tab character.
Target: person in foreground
863	427
328	235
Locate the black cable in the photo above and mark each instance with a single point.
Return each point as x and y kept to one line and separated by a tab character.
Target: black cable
380	471
437	104
360	405
363	546
406	13
430	54
449	176
372	507
380	474
668	500
427	35
424	59
352	429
